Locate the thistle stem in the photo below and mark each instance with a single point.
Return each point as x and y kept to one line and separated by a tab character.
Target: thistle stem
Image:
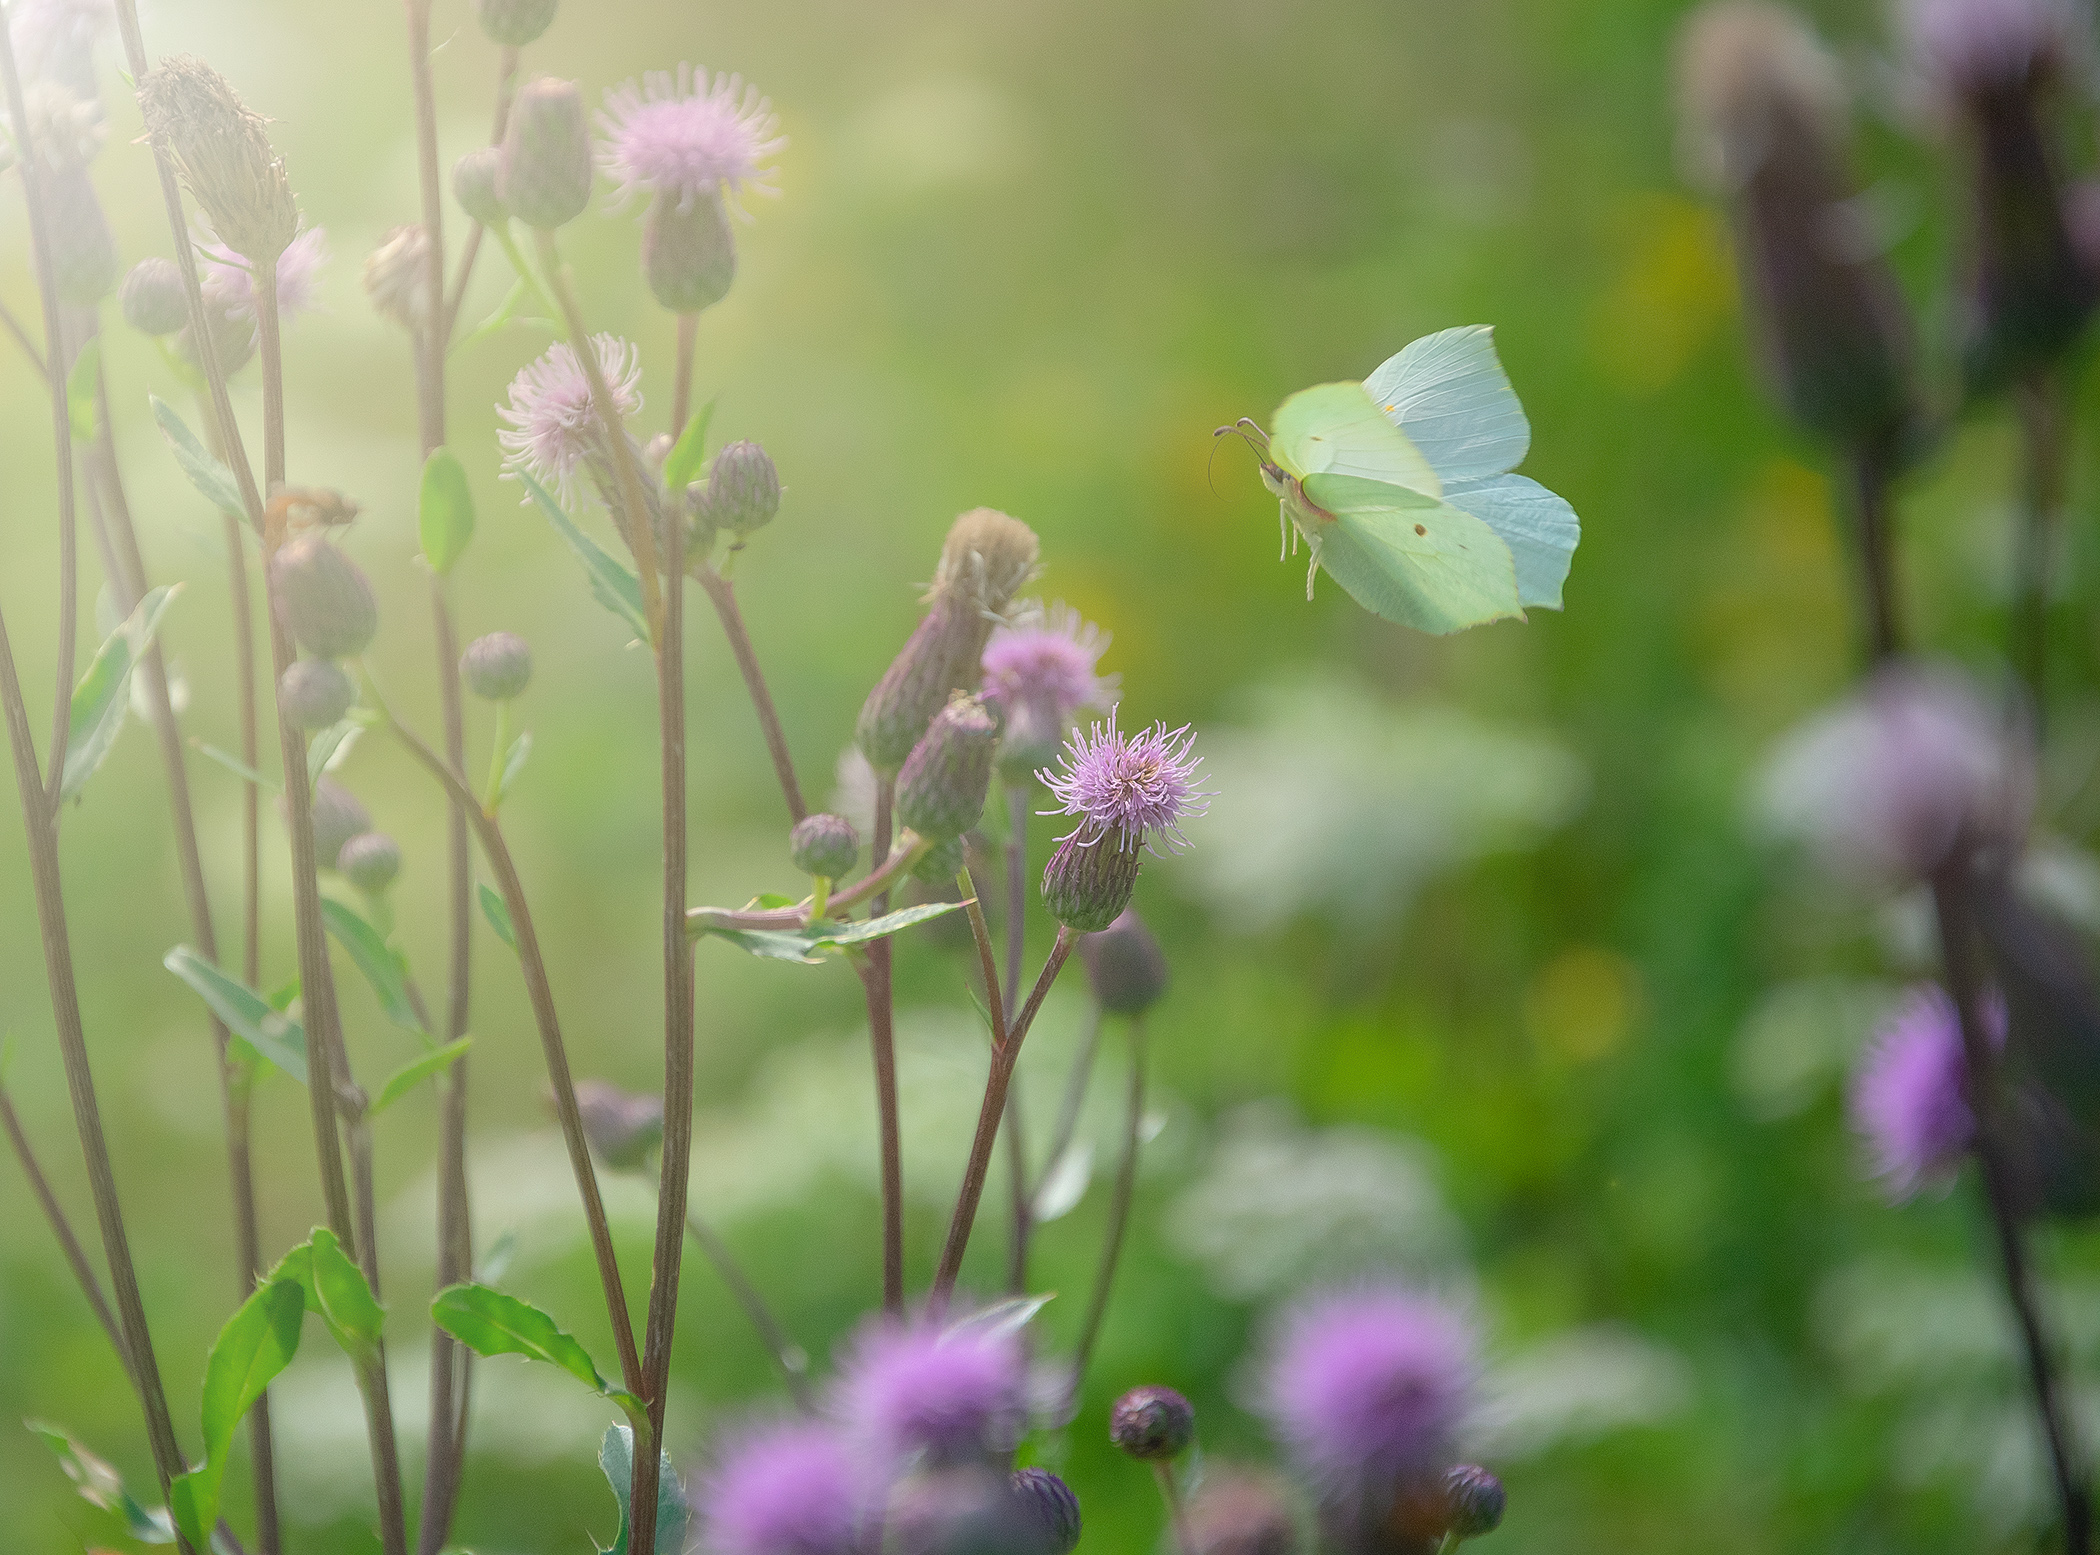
787	1355
506	87
1021	1211
682	385
986	965
722	594
1177	1514
1871	516
1119	1209
2045	453
68	1243
882	1042
14	327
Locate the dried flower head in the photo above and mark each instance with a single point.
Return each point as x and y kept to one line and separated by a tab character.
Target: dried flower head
949	1394
552	427
1241	1512
397	276
224	154
1910	1099
687	136
1751	78
1131	790
796	1488
66	130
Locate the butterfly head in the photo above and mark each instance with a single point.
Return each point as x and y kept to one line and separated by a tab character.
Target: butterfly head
1249	431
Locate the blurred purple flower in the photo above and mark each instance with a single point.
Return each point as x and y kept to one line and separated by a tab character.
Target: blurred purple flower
1046	657
789	1489
1366	1388
687	135
552	427
1910	1100
1986	45
229	282
1135	788
955	1394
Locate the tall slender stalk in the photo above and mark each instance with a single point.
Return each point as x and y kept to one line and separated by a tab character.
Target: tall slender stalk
682	385
882	1041
2045	450
68	1243
787	1355
1119	1208
1868	468
1020	1212
14	327
506	87
722	594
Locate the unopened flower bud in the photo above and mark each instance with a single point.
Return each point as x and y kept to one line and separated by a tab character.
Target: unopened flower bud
1086	885
1124	965
960	1511
825	845
474	179
328	604
545	179
153	299
941	863
742	491
370	861
514	23
940	792
225	156
623	1127
314	693
337	817
1474	1500
688	251
84	258
497	667
1050	1505
397	276
1152	1423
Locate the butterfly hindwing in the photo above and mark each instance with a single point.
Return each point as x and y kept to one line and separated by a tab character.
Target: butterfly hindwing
1334	428
1448	393
1537	525
1410	557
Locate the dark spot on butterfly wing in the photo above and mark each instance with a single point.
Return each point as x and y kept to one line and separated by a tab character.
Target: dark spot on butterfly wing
1421	529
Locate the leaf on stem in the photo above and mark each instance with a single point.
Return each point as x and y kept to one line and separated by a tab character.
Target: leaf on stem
246	1013
214	482
236	766
444	511
514	763
490	1322
682	464
256	1344
81	386
805	944
384	967
612	585
345	1301
498	915
409	1076
331	748
102	700
101	1485
616	1458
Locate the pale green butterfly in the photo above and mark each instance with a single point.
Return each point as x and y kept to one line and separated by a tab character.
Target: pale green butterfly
1401	487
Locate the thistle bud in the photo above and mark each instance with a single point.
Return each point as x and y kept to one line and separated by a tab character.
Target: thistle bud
514	23
474	180
941	863
497	667
742	491
314	693
623	1128
1050	1505
940	792
337	817
825	845
153	298
960	1511
84	258
397	276
1474	1500
1124	965
986	559
327	602
688	251
233	337
224	154
1086	885
545	179
370	861
1152	1423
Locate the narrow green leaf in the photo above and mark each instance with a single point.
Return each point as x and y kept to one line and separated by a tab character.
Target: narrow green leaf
326	750
382	965
682	464
804	945
860	931
101	1485
490	1322
102	699
514	763
498	915
616	1458
445	510
214	482
81	385
772	944
612	585
237	767
352	1312
271	1033
409	1076
257	1343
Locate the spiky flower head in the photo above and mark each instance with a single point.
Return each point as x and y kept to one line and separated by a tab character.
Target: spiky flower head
545	179
623	1128
325	598
397	276
1050	1505
225	156
497	667
1366	1390
824	845
229	280
795	1488
1910	1098
1125	967
314	693
947	1394
1129	790
688	135
370	861
552	428
1152	1422
474	178
1040	669
152	297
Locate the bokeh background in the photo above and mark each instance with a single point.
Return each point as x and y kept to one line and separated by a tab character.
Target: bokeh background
1481	968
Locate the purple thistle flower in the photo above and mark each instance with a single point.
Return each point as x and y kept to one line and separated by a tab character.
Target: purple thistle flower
1366	1388
687	136
1910	1100
791	1489
552	426
1045	659
229	280
955	1394
1132	787
1976	45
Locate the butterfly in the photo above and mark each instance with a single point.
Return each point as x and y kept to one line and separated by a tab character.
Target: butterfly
1402	488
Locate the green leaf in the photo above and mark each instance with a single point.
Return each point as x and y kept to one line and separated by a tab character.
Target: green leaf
101	1485
861	930
445	510
326	750
514	762
682	464
271	1033
804	944
256	1344
490	1322
214	482
237	767
498	915
81	385
616	1458
409	1076
102	699
383	966
352	1312
612	585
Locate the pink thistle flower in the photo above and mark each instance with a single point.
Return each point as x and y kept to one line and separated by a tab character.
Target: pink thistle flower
794	1488
229	281
955	1394
552	427
1910	1099
686	136
1135	788
1046	659
1367	1388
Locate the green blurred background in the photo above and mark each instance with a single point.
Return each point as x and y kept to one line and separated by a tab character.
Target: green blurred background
1481	971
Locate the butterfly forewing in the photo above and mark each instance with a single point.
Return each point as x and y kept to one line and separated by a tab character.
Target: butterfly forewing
1334	428
1412	558
1449	394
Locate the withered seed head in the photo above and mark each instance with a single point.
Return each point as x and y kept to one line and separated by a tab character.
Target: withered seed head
225	156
